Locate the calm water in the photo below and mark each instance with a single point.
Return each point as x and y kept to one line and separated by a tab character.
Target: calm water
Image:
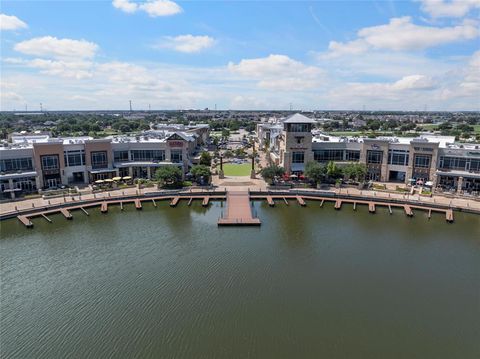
310	282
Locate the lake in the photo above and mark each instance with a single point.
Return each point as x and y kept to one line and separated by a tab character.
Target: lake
308	283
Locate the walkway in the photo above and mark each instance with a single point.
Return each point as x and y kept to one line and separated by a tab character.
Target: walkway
238	211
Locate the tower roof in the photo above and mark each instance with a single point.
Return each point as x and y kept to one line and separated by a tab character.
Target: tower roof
298	118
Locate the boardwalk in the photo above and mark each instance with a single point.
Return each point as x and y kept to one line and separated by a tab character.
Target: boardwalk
238	210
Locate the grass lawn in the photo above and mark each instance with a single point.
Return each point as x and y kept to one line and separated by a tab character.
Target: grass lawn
230	169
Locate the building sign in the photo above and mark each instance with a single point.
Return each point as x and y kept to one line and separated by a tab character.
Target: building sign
426	149
175	143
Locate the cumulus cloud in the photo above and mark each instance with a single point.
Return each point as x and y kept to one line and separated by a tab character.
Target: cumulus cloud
400	34
278	72
453	8
52	47
186	43
10	22
125	5
153	8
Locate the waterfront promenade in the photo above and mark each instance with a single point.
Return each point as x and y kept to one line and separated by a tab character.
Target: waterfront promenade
437	200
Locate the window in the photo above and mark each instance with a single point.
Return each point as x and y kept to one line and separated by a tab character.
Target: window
374	156
120	156
176	156
299	139
16	164
299	127
50	162
422	161
351	155
454	163
398	157
475	165
99	159
148	155
74	158
328	155
298	157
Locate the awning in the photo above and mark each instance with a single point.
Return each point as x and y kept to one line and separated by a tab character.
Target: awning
102	171
18	175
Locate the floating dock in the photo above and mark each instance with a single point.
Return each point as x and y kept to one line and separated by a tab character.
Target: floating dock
301	201
66	213
408	210
104	207
238	211
138	204
449	215
205	201
174	201
338	204
270	201
26	221
371	207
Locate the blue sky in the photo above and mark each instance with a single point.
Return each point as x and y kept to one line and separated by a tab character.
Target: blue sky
241	54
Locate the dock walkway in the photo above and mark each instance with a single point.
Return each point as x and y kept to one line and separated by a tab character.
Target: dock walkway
238	211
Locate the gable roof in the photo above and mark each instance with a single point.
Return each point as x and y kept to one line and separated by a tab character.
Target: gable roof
298	118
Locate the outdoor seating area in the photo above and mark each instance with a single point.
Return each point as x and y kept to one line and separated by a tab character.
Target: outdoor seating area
113	182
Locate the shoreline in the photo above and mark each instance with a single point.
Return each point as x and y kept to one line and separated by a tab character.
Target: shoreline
220	194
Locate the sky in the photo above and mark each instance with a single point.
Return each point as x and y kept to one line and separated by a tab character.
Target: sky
240	55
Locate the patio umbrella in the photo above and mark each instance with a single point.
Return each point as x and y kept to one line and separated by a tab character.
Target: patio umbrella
127	178
99	181
117	178
109	180
293	176
420	182
429	183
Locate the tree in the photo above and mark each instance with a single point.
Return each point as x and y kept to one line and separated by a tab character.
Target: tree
225	134
169	175
355	171
205	158
315	171
200	172
269	173
332	170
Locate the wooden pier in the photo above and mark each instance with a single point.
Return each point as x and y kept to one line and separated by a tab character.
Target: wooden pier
26	221
138	204
174	201
371	207
66	213
408	210
301	201
238	211
338	204
205	201
270	201
104	207
449	215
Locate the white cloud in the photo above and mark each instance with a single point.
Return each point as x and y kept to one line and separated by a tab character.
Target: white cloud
413	82
125	5
279	72
153	8
51	47
186	43
454	8
10	22
160	8
400	34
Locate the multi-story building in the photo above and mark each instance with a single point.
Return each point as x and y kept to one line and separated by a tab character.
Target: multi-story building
33	162
429	158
